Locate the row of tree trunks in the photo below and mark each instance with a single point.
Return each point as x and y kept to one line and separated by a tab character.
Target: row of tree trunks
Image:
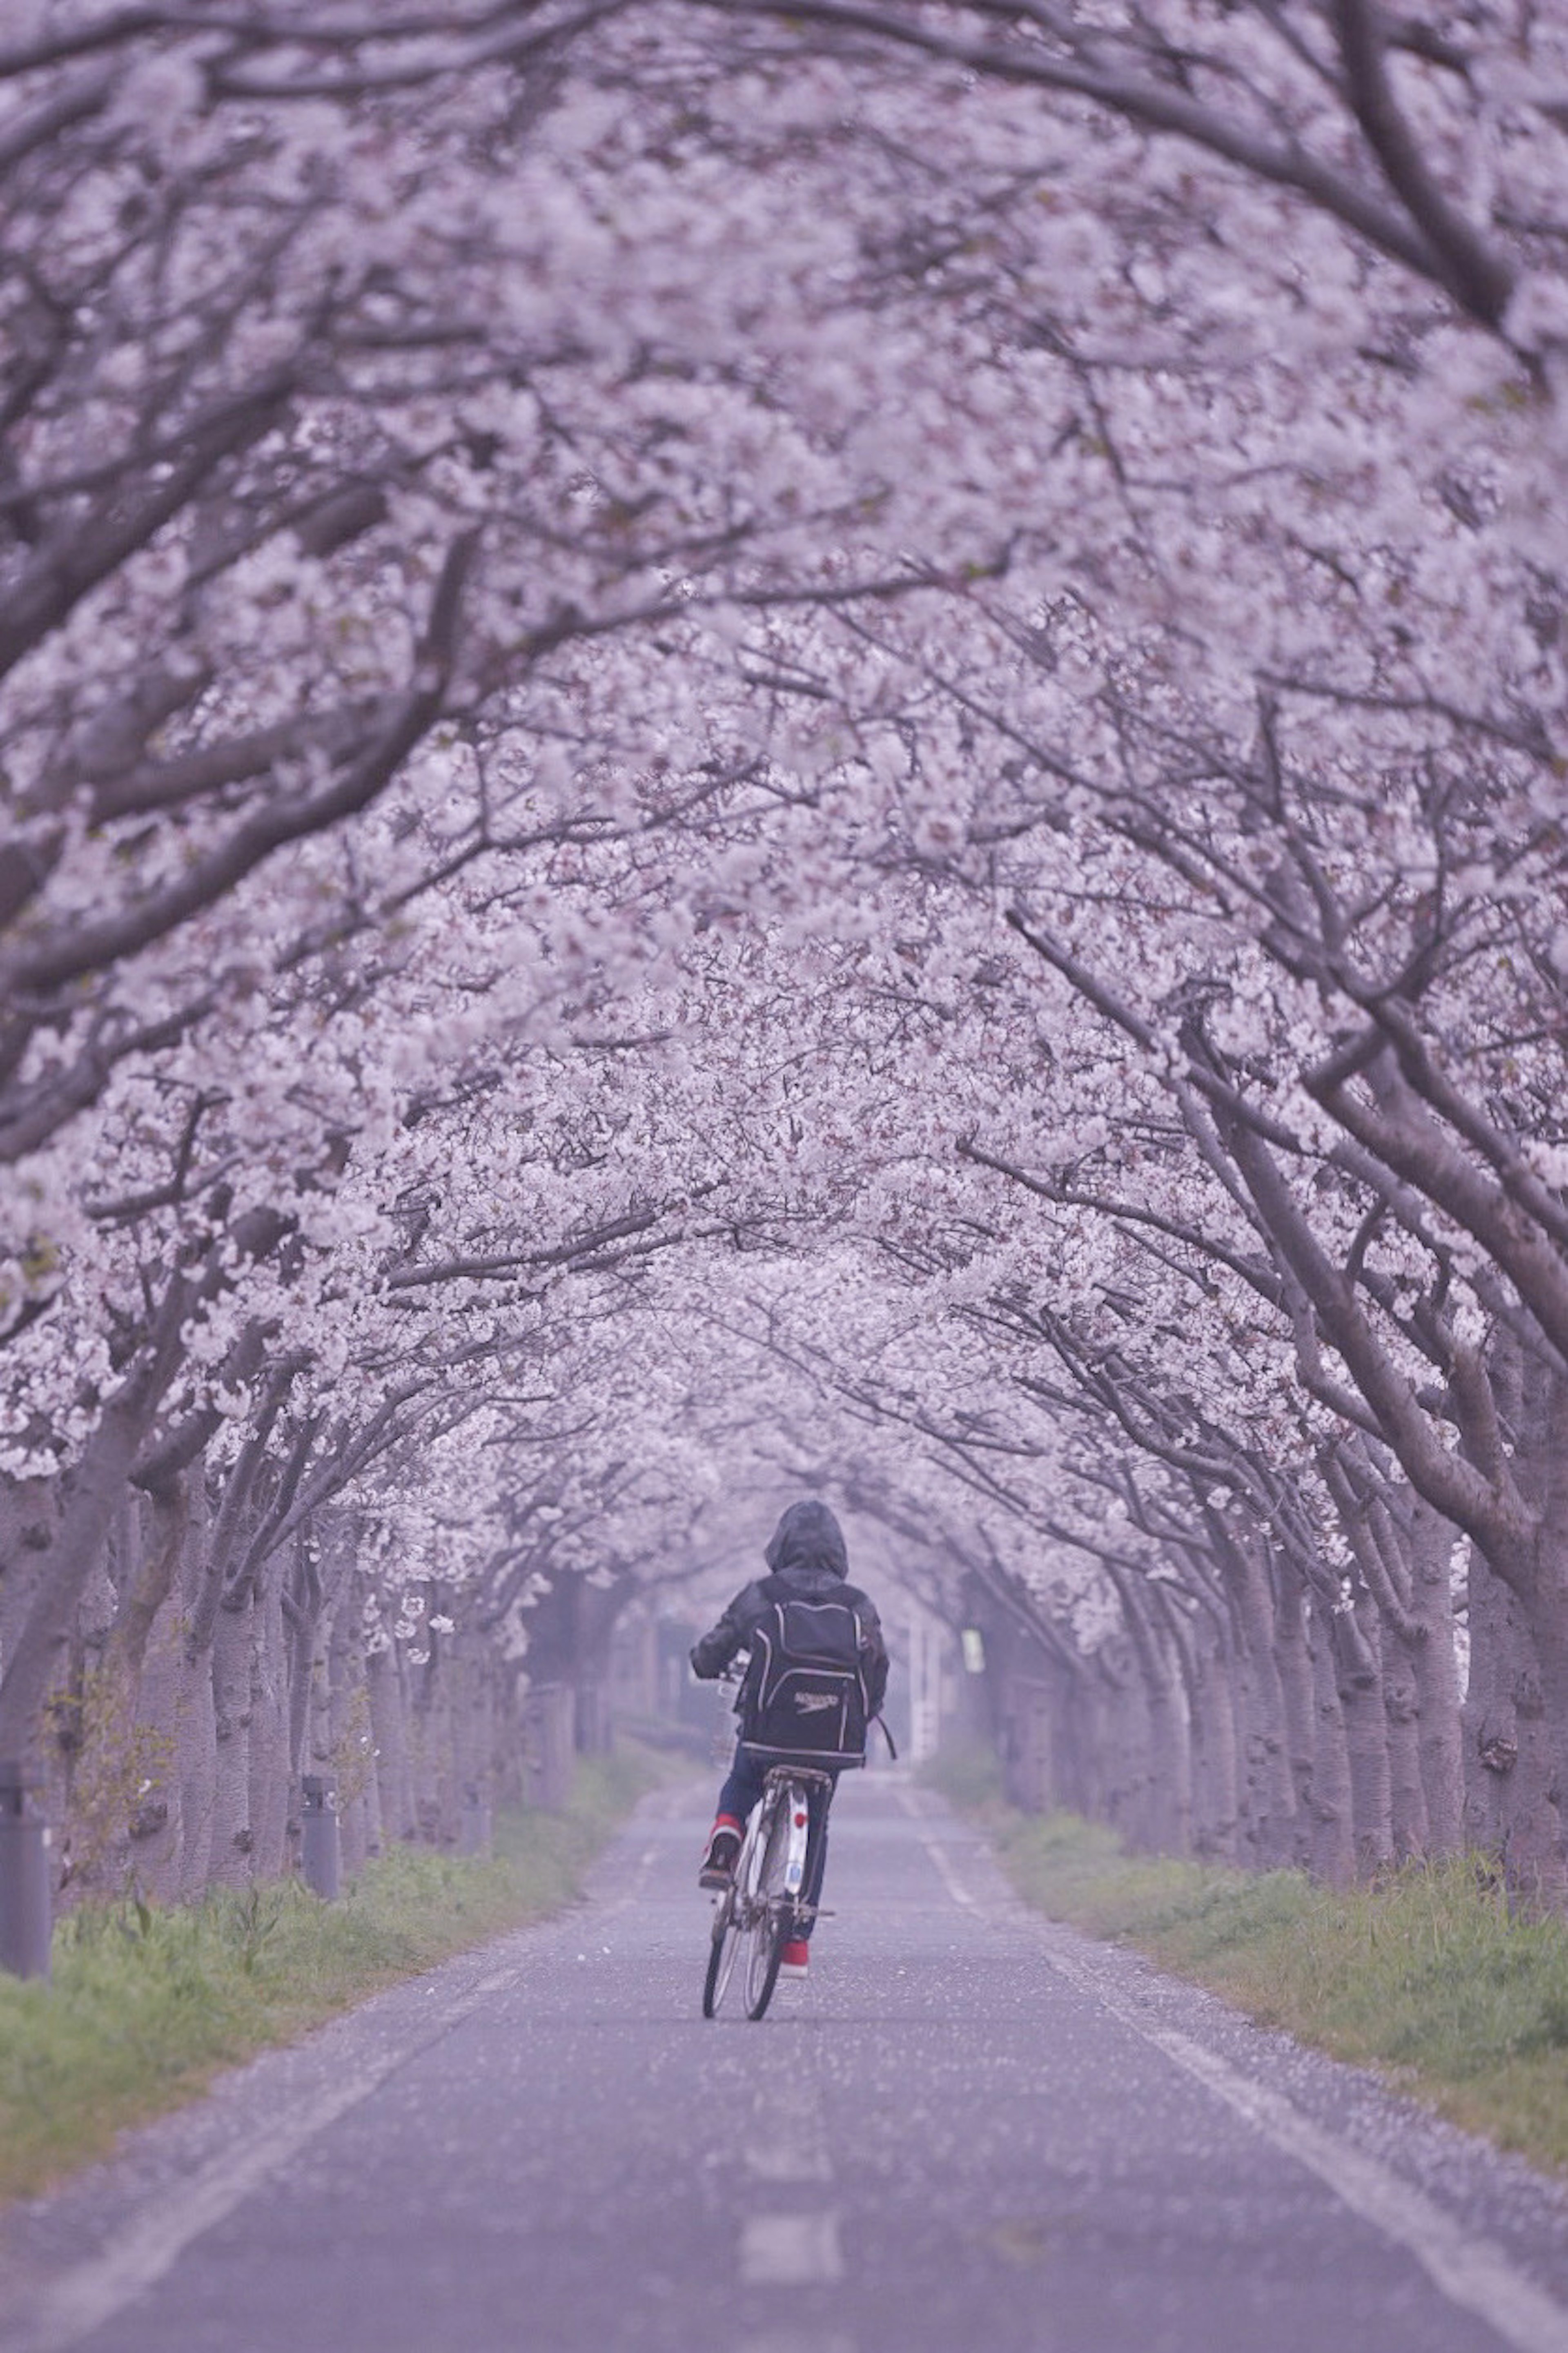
1244	1715
191	1700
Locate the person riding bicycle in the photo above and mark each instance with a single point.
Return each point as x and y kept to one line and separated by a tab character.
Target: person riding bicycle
807	1562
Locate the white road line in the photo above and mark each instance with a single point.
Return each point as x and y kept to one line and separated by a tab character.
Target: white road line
788	2137
790	2250
788	2161
949	1880
137	2258
912	1803
799	2338
1471	2271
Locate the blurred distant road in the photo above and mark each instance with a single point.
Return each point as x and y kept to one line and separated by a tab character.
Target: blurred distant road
967	2131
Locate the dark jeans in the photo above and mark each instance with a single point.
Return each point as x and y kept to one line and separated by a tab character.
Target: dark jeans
739	1793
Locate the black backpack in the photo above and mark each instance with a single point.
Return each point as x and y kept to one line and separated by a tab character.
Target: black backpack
804	1695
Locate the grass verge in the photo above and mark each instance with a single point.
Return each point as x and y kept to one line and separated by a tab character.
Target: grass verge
145	2005
1428	1976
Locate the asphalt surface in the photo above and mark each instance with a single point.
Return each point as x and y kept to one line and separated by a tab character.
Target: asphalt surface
966	2129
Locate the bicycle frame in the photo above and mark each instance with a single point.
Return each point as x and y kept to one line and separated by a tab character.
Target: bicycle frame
762	1909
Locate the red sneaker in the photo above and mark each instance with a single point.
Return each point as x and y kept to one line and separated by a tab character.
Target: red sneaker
794	1960
723	1847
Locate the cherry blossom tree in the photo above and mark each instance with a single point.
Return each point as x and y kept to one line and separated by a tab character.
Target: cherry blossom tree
704	790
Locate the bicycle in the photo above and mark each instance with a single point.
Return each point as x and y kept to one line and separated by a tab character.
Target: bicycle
762	1909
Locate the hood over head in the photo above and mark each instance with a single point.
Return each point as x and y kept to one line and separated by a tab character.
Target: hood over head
808	1536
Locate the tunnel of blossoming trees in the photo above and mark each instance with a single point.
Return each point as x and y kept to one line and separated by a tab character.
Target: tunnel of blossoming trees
749	754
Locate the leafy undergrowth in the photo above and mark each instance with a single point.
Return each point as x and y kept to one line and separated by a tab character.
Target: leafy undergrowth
1427	1976
145	2005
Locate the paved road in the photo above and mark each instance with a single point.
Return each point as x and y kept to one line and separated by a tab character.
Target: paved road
968	2130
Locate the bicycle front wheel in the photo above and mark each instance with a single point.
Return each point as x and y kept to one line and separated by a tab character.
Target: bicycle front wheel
772	1914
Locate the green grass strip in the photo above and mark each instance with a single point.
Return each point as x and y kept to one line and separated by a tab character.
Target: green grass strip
1429	1976
145	2005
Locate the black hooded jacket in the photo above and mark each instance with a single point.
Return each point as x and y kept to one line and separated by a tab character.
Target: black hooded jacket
806	1557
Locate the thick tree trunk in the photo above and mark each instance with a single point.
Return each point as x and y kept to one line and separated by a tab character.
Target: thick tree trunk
374	1828
196	1732
1026	1761
129	1762
1213	1701
1402	1714
433	1759
269	1735
165	1707
1432	1542
358	1735
1126	1760
86	1752
1296	1691
1360	1686
475	1757
317	1755
1047	1739
389	1738
1170	1797
1510	1810
232	1671
29	1522
198	1774
1270	1801
94	1491
1537	1863
1166	1810
1533	1836
508	1751
349	1714
1383	1519
1333	1828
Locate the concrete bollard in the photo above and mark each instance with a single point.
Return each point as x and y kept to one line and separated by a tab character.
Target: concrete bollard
26	1922
474	1828
321	1848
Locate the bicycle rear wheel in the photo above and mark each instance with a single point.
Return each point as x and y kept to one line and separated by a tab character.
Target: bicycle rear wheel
723	1953
773	1912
